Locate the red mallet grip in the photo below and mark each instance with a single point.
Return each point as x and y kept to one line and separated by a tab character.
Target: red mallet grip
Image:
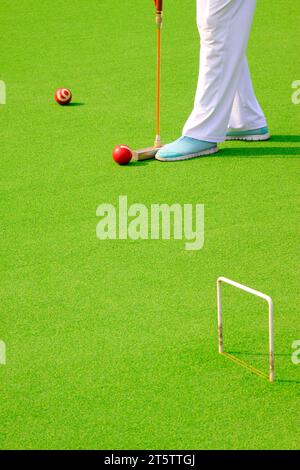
158	5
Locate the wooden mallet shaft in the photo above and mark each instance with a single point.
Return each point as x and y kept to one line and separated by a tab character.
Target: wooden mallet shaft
150	152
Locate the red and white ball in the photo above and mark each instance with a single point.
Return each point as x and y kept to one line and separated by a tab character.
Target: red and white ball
63	96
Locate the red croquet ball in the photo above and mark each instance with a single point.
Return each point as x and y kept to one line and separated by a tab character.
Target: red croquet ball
63	96
122	154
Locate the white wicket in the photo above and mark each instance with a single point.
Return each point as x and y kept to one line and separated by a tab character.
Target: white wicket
271	317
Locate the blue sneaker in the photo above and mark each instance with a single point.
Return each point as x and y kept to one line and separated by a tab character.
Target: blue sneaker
185	148
254	135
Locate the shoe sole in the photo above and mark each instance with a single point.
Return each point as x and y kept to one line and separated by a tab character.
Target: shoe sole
188	157
250	138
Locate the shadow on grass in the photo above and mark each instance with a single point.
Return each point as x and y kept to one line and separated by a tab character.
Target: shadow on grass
234	355
288	381
247	353
133	164
260	152
285	138
245	365
262	149
75	103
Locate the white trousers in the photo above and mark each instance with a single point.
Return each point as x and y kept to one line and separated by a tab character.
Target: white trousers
225	97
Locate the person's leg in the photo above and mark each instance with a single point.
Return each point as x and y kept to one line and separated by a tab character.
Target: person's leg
247	120
224	27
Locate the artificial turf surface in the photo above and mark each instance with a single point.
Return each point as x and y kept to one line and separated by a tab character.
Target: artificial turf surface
113	344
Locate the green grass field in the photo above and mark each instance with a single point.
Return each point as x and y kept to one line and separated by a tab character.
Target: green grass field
113	344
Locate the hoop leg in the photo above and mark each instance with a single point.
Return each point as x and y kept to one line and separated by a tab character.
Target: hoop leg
220	320
271	341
